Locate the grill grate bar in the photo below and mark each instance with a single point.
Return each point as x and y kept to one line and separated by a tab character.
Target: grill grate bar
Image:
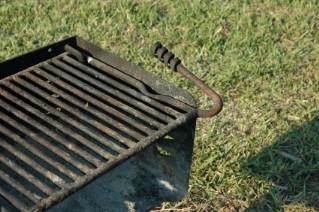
57	165
13	200
62	116
68	144
90	89
84	106
113	92
32	163
78	114
92	101
19	187
82	167
27	175
120	86
137	84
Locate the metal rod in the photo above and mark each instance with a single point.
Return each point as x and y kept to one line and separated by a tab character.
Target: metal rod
114	92
57	165
120	86
83	117
34	164
53	110
27	175
114	102
111	164
82	167
164	55
136	83
13	200
85	106
72	147
93	101
217	100
19	187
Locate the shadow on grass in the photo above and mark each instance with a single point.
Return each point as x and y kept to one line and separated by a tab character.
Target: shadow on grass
292	165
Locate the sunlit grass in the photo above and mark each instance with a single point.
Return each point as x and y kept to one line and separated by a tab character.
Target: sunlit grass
262	151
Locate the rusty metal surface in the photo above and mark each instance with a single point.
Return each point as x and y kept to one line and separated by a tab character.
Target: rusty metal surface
164	55
66	120
143	182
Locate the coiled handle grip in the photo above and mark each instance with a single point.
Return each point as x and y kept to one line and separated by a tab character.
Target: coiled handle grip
167	57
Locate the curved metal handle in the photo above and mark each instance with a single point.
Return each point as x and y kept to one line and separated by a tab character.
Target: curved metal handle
164	55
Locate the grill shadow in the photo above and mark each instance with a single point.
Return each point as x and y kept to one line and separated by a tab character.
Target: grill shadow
291	165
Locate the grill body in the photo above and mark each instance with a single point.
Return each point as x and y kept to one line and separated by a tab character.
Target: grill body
70	112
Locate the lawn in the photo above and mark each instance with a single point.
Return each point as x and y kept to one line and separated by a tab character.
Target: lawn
262	152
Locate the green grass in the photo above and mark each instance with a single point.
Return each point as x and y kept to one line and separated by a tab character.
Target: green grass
262	152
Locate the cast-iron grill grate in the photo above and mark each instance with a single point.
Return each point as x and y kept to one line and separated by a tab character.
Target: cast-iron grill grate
71	111
65	121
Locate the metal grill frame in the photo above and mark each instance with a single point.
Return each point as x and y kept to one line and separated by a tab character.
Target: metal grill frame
168	91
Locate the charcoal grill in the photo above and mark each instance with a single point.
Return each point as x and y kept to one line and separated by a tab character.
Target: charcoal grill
71	111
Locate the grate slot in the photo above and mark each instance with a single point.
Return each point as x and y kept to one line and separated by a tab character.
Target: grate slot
6	206
24	182
123	115
105	78
90	145
12	200
44	143
127	79
57	113
92	110
25	174
108	99
132	102
32	163
85	107
73	109
18	195
19	187
84	168
12	135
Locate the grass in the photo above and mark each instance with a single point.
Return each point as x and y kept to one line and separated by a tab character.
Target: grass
261	153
